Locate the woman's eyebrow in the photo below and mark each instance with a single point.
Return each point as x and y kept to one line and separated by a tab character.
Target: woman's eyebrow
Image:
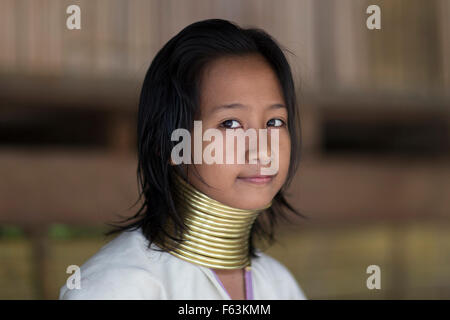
242	106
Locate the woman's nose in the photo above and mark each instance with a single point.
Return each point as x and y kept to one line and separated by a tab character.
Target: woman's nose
261	150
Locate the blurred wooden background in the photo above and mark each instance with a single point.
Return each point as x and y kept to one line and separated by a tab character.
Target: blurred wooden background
374	106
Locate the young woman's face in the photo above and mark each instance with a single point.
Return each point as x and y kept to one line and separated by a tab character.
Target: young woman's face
250	82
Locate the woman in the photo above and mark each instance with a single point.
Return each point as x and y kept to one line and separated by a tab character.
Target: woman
193	238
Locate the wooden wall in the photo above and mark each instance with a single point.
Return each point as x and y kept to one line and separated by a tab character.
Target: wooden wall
333	48
387	88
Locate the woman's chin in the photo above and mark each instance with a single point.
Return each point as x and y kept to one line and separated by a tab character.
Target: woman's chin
252	202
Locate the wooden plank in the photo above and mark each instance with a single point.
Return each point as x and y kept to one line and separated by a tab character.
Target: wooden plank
91	187
68	92
364	189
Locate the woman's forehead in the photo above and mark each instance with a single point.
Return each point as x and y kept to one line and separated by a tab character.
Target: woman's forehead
239	81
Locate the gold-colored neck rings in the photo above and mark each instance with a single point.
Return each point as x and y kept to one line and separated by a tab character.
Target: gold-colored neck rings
217	235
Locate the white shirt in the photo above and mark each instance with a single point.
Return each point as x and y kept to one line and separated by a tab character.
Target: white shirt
125	268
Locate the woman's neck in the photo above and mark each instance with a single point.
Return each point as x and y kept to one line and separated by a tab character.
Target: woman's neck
217	235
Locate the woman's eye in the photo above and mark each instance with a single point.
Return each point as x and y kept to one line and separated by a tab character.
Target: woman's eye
228	124
278	122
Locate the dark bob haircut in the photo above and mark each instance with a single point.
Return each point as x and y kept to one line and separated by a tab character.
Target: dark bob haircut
169	100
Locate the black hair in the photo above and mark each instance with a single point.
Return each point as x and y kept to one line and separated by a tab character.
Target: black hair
169	100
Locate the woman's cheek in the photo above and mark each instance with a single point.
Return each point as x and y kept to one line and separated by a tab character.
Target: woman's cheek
221	173
284	153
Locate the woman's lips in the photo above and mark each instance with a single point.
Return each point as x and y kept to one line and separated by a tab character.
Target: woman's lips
257	179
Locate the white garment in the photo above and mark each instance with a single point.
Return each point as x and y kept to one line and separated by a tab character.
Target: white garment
126	269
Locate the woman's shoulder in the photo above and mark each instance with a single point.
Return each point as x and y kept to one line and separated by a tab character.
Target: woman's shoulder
281	277
124	268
